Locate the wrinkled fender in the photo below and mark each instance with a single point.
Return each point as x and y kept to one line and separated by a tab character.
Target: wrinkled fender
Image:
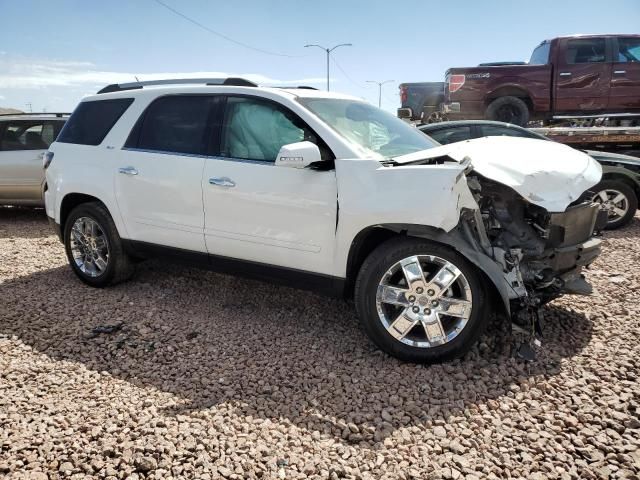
455	240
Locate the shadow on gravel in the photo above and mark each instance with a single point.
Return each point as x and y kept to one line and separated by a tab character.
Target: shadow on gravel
270	352
34	223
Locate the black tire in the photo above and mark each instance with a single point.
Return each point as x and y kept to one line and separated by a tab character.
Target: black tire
627	191
119	265
508	109
370	275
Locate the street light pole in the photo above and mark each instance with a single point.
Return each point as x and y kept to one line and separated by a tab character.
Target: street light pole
379	89
328	51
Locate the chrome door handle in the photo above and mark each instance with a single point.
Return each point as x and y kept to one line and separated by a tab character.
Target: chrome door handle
565	74
222	182
619	71
128	170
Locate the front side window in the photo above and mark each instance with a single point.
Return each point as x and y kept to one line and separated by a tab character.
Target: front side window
254	129
451	135
540	55
586	50
92	120
175	124
27	135
628	50
374	132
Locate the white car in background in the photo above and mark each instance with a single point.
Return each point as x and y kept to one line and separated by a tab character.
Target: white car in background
323	191
24	137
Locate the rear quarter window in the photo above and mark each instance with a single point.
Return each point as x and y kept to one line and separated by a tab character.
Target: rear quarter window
91	121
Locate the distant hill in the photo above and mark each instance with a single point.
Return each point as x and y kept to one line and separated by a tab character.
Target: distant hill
9	110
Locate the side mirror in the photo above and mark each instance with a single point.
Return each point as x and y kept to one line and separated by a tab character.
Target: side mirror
298	155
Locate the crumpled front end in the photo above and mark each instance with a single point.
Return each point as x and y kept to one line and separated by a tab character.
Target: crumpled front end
542	254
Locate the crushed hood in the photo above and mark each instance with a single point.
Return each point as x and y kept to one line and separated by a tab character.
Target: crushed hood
547	174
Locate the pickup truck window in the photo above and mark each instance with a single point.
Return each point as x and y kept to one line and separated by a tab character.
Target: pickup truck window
540	55
628	50
586	50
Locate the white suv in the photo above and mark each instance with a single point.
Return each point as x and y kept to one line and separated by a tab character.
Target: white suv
326	192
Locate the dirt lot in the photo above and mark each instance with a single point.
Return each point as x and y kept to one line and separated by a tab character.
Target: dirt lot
216	377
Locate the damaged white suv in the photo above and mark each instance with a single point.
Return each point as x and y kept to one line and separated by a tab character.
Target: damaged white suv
326	192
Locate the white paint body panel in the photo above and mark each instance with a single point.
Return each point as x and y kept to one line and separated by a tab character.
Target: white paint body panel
297	218
163	202
283	216
547	174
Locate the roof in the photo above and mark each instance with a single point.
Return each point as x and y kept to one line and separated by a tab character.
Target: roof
578	35
34	116
204	89
462	123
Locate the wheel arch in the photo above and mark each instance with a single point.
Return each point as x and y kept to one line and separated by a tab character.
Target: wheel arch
368	239
72	200
510	91
622	177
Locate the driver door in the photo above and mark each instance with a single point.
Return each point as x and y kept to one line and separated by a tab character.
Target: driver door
257	211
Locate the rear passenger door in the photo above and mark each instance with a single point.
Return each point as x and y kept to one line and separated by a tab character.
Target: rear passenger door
582	75
22	144
158	178
260	212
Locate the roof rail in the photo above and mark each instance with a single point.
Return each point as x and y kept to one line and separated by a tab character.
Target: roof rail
57	114
303	87
231	81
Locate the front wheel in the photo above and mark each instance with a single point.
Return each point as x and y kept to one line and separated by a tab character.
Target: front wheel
94	248
618	199
420	301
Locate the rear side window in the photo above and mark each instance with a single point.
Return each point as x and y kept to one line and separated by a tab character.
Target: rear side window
27	135
586	50
92	120
451	135
175	124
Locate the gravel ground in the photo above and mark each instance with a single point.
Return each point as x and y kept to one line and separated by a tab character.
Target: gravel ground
214	377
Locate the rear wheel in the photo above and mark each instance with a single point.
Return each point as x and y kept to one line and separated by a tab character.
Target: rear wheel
618	199
94	248
508	109
420	301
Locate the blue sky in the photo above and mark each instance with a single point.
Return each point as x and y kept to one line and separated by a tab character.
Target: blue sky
54	53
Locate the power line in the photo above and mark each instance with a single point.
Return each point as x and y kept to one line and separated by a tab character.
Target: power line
221	35
357	84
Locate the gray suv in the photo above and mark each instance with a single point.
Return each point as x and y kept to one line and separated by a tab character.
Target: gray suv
24	137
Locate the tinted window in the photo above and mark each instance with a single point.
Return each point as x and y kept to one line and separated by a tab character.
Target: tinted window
254	129
540	55
175	124
451	135
586	50
498	131
27	135
628	50
92	120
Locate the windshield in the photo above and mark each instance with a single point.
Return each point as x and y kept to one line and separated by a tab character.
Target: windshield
378	134
540	55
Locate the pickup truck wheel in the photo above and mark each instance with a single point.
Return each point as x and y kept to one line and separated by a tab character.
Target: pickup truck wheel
618	199
508	109
420	301
94	248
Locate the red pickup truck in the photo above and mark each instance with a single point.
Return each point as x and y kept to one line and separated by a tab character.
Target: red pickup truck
581	76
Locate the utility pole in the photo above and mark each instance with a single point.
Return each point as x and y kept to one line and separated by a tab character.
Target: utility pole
28	104
329	50
379	89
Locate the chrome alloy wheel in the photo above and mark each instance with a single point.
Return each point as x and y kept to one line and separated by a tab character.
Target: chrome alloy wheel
614	202
424	301
89	247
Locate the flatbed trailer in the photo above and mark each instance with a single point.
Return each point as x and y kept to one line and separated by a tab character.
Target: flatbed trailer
625	140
